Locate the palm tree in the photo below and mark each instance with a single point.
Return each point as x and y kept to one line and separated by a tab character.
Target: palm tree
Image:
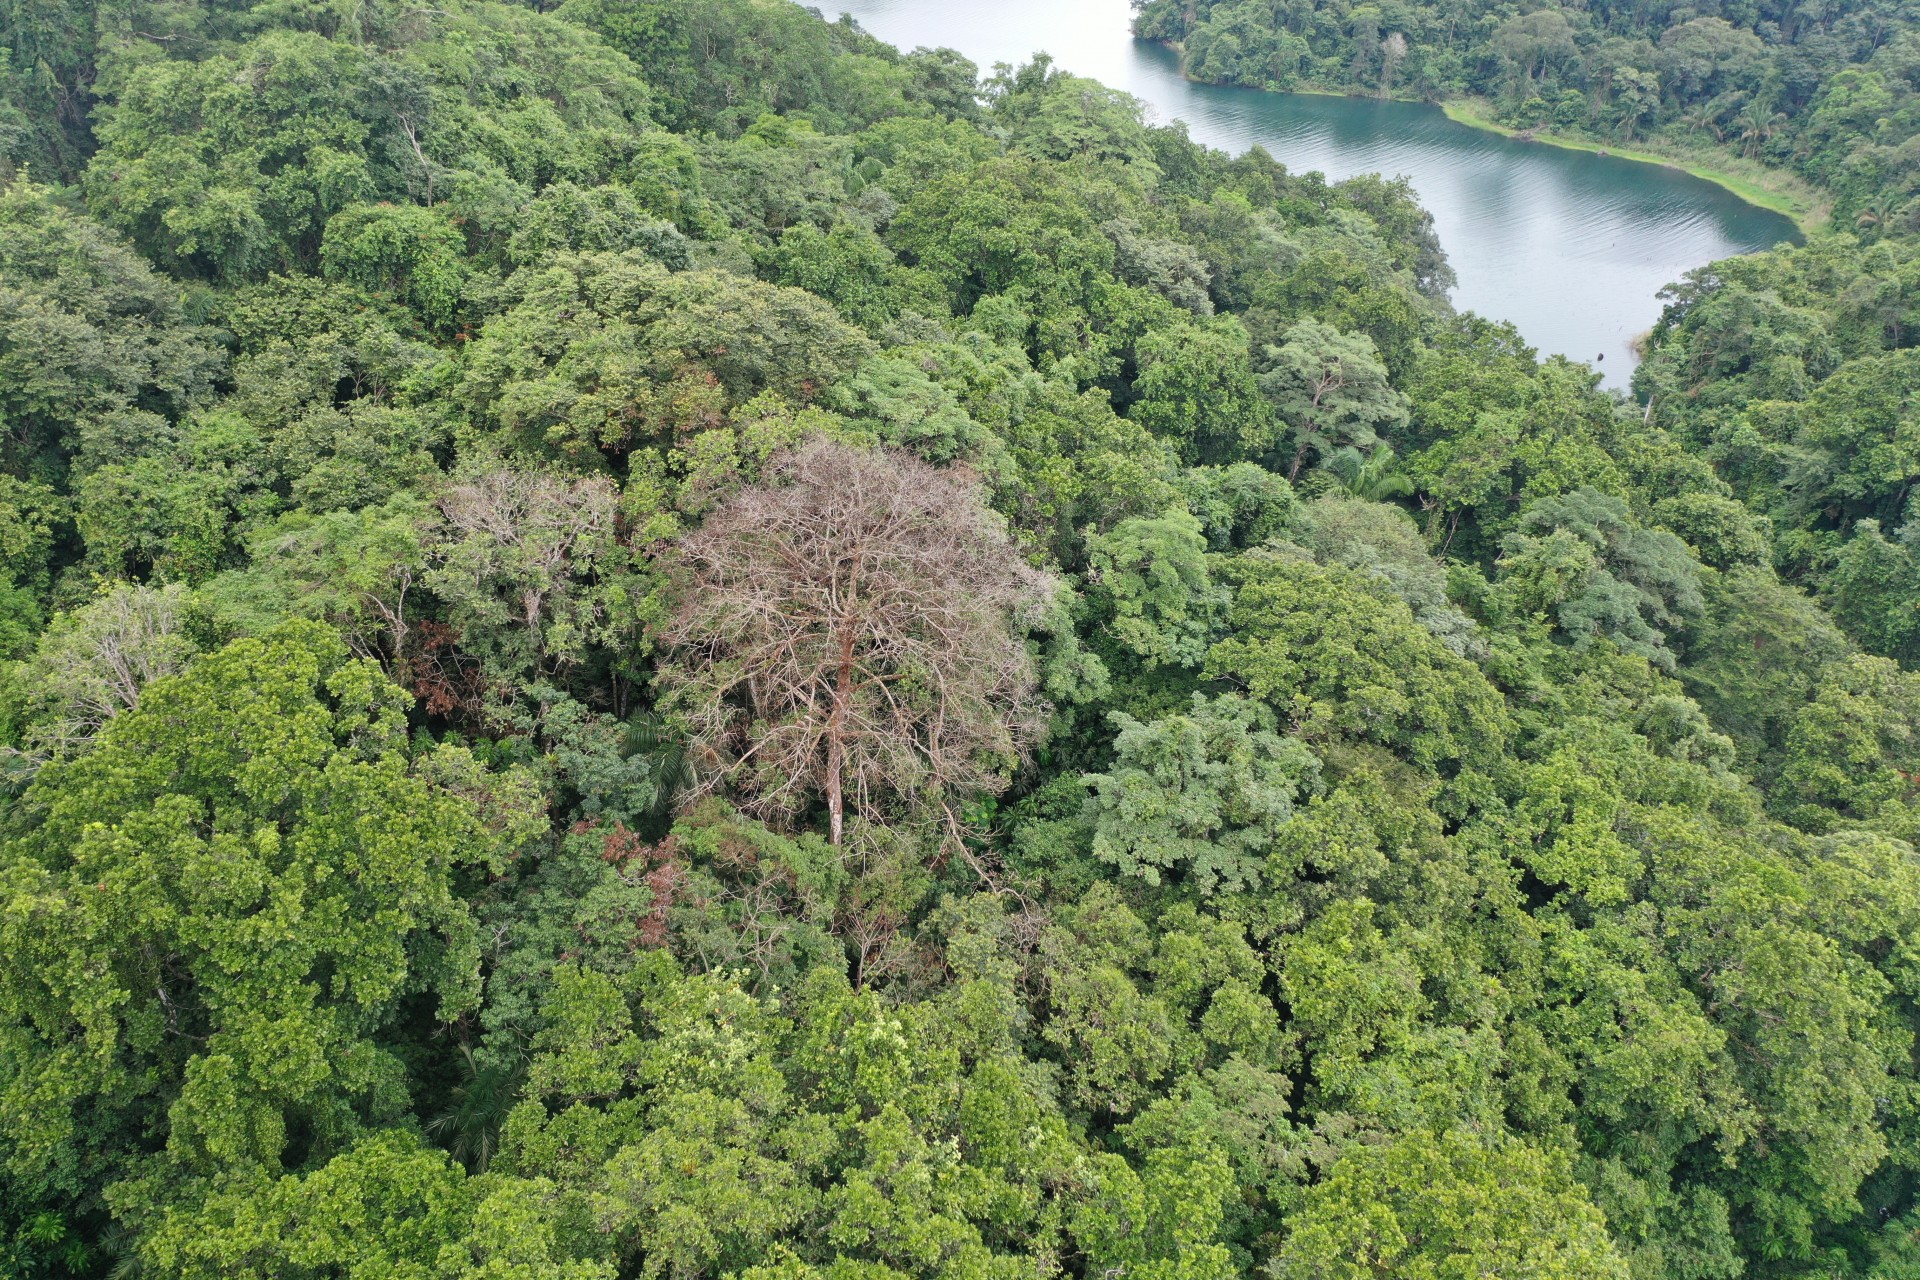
469	1126
1374	476
1705	118
652	743
1757	126
1712	115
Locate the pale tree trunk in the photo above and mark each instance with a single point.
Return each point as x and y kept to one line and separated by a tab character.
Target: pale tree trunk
836	739
1329	382
853	632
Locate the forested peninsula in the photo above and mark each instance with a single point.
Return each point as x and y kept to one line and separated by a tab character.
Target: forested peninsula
652	640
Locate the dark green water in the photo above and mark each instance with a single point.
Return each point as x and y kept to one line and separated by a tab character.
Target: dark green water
1570	246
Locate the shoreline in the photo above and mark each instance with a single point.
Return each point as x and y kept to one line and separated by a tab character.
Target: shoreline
1808	215
1807	210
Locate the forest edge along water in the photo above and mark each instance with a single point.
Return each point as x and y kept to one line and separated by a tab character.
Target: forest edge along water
1767	188
1571	245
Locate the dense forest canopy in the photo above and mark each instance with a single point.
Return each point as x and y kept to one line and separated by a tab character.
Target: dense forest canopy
657	640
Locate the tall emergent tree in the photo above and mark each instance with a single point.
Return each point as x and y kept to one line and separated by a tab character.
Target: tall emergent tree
854	629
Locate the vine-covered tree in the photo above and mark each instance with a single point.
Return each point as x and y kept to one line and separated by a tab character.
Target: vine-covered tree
1331	390
226	908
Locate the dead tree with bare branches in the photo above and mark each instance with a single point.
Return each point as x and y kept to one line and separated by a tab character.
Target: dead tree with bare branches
853	631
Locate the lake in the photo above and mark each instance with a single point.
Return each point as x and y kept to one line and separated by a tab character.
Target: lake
1572	247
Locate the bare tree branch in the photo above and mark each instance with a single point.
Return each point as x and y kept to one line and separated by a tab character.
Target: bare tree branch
854	631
